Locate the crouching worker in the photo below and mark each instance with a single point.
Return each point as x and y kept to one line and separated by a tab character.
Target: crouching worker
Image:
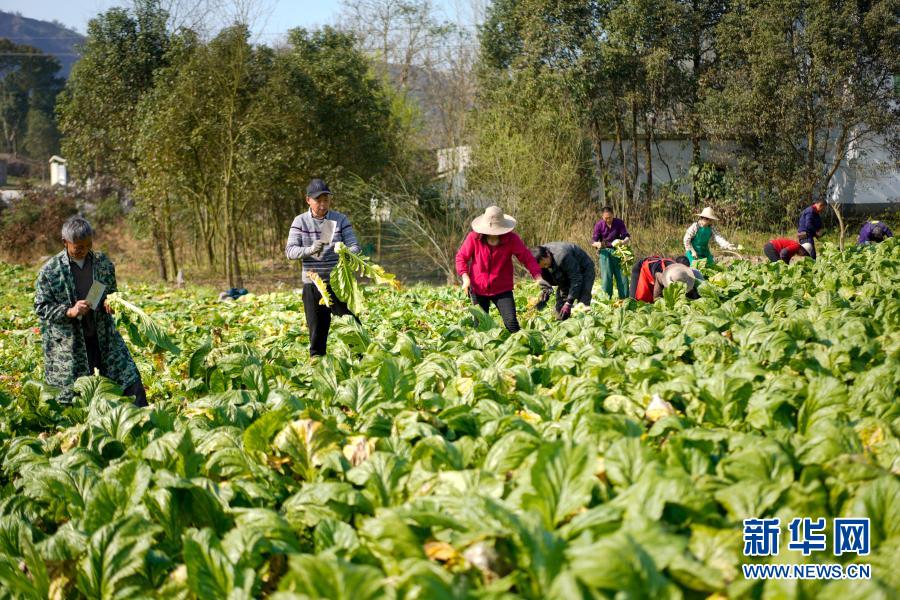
785	249
79	338
484	262
650	276
874	232
571	270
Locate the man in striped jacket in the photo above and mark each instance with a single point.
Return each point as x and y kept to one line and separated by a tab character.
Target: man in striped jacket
305	243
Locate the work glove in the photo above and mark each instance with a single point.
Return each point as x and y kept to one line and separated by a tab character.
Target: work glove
616	243
544	284
544	298
317	247
565	312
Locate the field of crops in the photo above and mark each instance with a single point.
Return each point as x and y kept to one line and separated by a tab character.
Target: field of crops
430	457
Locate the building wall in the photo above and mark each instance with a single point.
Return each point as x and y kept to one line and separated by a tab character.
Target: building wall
867	183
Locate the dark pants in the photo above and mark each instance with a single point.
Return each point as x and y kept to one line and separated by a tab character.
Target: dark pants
135	390
585	298
586	295
771	253
505	304
318	317
635	275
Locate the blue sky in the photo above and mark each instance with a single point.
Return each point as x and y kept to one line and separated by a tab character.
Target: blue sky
278	15
284	14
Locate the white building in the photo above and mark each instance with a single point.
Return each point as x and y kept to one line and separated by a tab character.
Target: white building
866	182
452	164
58	174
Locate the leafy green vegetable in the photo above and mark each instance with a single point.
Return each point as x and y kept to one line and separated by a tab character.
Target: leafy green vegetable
142	329
612	455
343	277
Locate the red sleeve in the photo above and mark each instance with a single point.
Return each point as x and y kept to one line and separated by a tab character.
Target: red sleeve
525	257
464	255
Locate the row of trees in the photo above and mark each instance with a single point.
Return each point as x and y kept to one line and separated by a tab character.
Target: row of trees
28	89
561	103
784	88
216	139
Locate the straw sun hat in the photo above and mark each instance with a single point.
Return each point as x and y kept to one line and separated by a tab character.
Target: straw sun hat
707	213
493	222
679	273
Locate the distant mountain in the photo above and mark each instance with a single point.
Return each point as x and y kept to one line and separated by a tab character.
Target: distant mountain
50	38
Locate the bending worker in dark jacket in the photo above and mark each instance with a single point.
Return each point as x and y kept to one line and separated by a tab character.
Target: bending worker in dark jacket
810	225
571	270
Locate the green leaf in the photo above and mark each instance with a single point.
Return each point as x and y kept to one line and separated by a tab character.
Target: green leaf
330	577
562	479
618	564
210	573
259	435
16	545
115	563
142	329
119	491
879	500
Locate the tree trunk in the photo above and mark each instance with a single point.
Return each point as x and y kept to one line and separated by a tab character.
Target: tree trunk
170	237
158	246
634	149
229	255
236	255
626	189
648	153
842	228
599	162
696	71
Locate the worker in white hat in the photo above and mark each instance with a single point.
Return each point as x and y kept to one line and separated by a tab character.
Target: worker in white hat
697	236
651	275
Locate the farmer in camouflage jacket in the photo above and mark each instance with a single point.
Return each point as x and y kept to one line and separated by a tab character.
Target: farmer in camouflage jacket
76	338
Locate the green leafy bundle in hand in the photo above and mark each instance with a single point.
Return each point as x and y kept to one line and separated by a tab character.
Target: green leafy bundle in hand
343	277
624	254
142	329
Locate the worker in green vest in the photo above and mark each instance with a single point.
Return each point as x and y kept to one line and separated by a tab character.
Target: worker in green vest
697	236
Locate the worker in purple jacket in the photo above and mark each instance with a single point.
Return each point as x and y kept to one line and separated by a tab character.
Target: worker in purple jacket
609	232
874	232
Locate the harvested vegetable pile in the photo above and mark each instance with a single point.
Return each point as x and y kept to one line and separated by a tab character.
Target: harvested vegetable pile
433	455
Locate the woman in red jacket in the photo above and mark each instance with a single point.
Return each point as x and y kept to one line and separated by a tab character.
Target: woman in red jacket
785	249
484	262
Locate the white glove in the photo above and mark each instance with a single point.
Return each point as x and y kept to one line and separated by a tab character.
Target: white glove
616	243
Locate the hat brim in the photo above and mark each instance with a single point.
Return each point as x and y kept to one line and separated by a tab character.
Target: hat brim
678	273
481	225
702	216
315	195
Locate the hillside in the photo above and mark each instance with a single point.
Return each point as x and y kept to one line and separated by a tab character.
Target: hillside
51	38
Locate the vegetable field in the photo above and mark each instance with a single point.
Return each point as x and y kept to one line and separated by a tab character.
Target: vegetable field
432	455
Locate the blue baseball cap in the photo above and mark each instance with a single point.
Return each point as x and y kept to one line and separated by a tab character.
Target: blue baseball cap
316	188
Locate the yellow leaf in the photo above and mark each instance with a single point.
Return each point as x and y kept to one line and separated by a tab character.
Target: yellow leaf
325	300
440	551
